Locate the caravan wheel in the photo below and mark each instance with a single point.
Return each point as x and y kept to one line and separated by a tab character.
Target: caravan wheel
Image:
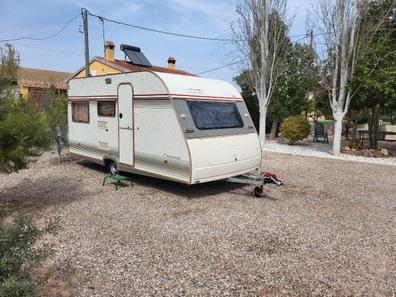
259	191
112	167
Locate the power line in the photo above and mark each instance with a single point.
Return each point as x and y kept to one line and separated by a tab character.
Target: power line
160	31
44	38
221	67
239	61
102	18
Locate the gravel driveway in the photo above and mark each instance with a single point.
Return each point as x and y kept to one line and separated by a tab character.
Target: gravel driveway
329	231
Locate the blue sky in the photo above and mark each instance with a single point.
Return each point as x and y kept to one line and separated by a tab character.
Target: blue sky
65	52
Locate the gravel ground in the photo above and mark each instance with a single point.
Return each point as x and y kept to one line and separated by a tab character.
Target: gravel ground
324	150
329	231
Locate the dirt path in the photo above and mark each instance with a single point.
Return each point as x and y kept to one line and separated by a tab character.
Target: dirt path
329	231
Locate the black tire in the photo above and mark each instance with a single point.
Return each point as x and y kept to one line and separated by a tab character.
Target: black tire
112	167
259	191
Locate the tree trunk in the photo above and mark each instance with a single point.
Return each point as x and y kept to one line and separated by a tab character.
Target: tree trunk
354	129
370	128
373	121
59	150
375	127
337	135
274	128
59	156
348	125
263	116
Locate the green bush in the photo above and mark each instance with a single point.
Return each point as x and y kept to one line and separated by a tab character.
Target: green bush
23	132
23	128
295	128
56	116
18	255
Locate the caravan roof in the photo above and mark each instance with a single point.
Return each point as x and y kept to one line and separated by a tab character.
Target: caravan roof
198	87
149	84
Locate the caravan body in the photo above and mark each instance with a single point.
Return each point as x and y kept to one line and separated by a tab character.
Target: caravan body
183	128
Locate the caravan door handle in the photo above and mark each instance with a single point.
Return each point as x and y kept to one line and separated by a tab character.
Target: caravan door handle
120	115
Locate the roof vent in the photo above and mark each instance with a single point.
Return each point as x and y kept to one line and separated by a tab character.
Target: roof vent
135	55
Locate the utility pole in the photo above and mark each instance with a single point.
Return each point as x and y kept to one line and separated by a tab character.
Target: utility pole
84	13
104	38
311	41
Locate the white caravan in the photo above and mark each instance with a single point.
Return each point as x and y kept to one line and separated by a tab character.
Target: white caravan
183	128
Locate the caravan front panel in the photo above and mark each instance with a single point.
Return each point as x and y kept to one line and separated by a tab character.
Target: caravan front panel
221	137
215	158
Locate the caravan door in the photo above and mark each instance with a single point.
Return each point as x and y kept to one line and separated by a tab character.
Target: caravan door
125	124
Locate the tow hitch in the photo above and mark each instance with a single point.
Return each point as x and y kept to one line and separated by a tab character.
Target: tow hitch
257	179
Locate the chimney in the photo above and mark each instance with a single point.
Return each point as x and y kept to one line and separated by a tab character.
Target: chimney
171	62
109	50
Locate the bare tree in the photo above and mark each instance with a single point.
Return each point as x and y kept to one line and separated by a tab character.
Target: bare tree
260	33
345	38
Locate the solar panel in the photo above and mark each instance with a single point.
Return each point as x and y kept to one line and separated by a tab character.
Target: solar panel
135	55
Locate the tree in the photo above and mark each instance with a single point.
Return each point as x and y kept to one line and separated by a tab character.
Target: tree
291	96
298	78
56	115
249	97
260	34
346	37
318	105
9	61
23	129
375	75
340	19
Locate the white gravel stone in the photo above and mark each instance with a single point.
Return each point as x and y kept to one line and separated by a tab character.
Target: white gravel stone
321	150
329	231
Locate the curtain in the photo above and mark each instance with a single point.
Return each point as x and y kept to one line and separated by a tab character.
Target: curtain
80	112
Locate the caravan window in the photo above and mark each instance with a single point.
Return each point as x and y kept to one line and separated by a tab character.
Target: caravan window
106	108
80	112
215	115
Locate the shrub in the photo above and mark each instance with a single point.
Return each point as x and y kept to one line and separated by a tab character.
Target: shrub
295	128
23	129
56	115
355	145
18	254
23	133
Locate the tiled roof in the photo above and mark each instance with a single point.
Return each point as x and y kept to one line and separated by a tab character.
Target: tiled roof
129	67
40	84
41	79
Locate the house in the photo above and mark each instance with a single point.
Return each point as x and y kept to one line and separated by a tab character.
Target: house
109	65
35	82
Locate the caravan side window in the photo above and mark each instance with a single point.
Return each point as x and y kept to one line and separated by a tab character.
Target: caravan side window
106	108
80	112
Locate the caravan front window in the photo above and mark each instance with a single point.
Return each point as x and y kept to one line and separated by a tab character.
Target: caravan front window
215	115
